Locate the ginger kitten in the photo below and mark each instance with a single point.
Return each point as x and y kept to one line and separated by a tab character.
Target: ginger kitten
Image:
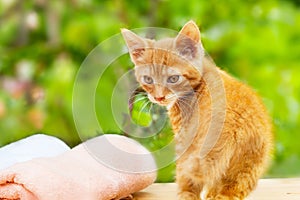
222	130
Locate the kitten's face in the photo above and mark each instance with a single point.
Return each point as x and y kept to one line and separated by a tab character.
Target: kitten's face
164	84
167	69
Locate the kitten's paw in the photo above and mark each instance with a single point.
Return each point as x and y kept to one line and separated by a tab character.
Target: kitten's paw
130	197
187	196
223	197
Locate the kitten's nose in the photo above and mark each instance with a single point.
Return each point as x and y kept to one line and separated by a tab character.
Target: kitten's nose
159	98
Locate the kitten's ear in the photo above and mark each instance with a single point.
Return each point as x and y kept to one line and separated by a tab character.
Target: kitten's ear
136	45
188	40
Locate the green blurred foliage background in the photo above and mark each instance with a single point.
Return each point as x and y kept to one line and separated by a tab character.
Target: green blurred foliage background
43	43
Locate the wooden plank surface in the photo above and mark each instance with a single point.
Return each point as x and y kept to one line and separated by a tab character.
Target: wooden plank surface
267	189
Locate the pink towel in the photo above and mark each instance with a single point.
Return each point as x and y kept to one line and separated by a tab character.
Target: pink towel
104	168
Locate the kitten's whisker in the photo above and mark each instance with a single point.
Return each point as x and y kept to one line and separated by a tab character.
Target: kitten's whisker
185	108
185	103
139	94
180	100
141	110
151	106
137	100
179	110
171	96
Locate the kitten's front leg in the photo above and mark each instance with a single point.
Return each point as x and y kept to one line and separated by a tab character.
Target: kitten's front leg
188	189
189	181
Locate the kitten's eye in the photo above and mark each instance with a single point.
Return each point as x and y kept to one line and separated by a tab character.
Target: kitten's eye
148	79
173	79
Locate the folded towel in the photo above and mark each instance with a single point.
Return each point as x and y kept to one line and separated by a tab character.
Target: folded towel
104	168
31	147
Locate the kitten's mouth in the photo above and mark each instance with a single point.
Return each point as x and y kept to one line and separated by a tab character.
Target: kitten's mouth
162	103
165	103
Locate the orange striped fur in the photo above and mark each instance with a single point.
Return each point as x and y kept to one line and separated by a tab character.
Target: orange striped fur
222	129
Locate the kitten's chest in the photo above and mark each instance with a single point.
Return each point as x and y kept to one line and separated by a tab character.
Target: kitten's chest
192	116
191	125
